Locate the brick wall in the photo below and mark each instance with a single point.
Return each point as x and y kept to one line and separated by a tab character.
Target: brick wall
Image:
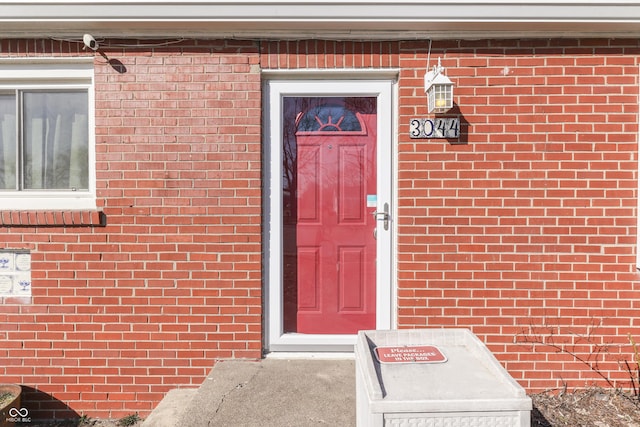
526	231
122	313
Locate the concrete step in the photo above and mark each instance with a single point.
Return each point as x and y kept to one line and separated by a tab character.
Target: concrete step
269	392
169	410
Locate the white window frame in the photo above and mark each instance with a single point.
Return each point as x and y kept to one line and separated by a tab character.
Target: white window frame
53	73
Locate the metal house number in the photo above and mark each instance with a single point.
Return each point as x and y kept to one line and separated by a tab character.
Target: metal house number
448	128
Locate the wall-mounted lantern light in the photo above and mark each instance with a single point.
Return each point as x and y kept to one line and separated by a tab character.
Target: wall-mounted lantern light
439	90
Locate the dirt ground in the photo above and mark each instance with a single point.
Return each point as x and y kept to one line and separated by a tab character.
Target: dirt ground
89	422
108	423
593	407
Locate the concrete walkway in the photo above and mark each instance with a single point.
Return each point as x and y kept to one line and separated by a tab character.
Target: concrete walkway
269	392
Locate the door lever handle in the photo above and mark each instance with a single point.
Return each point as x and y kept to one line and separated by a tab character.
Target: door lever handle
383	216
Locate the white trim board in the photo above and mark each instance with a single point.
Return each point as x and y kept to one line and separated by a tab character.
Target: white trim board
351	19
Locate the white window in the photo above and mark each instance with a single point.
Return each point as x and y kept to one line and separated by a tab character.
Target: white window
47	154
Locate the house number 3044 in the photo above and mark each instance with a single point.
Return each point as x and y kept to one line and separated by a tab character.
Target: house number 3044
434	128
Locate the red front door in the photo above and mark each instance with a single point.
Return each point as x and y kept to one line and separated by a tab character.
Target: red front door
329	197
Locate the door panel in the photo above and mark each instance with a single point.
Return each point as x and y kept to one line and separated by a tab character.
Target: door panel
309	262
330	251
353	266
308	173
352	184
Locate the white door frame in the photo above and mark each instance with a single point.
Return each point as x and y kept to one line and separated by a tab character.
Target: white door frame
275	90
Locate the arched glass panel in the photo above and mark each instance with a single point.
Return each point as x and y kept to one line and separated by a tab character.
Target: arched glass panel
329	118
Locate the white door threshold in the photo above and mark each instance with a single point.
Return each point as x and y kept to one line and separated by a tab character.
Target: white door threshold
304	355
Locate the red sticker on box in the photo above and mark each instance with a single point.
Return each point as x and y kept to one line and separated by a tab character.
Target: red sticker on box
410	354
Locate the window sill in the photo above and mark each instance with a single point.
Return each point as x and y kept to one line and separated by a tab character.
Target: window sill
53	218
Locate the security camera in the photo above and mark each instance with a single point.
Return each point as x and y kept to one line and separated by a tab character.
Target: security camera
90	42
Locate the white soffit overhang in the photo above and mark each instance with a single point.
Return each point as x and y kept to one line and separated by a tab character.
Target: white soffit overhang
334	19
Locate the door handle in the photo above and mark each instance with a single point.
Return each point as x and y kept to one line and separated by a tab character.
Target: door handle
383	216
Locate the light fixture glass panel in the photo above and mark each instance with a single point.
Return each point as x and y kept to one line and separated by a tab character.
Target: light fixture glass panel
440	98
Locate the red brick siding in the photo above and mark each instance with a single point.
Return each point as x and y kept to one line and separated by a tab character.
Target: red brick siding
121	314
526	231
